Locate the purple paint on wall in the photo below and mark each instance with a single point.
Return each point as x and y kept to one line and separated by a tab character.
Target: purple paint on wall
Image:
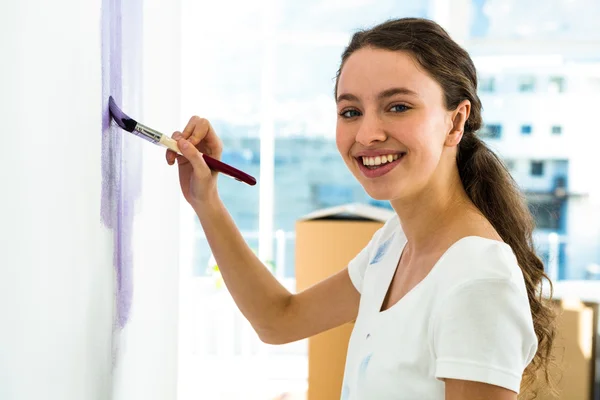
121	160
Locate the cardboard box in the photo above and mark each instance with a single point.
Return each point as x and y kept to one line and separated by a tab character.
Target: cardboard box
574	351
326	241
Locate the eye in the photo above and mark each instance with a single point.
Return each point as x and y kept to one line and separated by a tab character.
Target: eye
398	108
349	113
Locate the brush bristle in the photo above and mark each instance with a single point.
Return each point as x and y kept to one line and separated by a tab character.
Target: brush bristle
120	117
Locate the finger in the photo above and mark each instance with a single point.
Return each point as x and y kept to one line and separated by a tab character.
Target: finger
181	159
209	142
194	122
201	130
192	155
200	133
170	154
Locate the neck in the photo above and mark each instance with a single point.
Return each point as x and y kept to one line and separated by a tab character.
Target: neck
427	215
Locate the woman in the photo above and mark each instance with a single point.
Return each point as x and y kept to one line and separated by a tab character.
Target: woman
446	296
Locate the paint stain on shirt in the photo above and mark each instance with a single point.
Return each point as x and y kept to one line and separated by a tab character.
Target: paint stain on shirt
382	250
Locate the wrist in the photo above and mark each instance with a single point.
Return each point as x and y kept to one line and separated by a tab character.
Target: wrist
209	203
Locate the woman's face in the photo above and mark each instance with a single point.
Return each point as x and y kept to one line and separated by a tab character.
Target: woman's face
392	125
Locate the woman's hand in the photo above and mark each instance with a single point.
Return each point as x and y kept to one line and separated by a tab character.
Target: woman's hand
198	182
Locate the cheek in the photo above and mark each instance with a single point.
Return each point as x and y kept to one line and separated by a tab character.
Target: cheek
426	136
424	146
343	140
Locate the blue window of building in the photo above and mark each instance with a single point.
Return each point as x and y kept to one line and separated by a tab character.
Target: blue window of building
527	84
526	129
329	195
487	84
537	168
491	131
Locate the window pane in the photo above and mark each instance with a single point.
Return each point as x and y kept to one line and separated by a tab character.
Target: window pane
527	84
343	16
537	168
556	84
510	20
491	131
548	214
487	84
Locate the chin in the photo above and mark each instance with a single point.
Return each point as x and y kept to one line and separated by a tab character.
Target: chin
382	193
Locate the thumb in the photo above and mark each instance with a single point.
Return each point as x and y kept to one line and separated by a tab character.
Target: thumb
191	153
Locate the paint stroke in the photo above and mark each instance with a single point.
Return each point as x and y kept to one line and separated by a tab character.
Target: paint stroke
121	160
382	250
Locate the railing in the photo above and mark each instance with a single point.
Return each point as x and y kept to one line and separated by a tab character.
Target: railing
548	245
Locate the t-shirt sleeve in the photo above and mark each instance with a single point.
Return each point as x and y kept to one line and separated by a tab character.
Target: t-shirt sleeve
358	265
484	332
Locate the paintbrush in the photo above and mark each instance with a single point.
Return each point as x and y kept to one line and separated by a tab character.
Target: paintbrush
151	135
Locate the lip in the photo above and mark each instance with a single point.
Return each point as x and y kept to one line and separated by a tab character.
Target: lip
376	173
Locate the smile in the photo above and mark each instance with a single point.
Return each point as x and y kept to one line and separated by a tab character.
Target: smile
376	166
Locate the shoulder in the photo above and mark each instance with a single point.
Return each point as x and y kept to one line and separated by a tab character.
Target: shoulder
479	259
374	251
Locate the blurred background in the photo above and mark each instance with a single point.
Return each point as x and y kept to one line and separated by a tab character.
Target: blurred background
264	75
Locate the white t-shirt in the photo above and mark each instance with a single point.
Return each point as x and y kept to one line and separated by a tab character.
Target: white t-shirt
469	319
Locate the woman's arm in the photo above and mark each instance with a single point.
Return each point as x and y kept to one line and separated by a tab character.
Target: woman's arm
457	389
277	315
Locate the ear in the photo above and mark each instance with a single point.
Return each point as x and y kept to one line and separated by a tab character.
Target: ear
459	119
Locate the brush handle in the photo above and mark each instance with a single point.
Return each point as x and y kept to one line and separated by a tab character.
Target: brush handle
212	163
170	144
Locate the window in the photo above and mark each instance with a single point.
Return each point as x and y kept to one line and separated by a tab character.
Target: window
526	129
491	131
547	213
537	168
487	84
331	194
556	129
556	84
527	84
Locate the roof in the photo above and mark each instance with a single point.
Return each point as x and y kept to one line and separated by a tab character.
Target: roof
351	211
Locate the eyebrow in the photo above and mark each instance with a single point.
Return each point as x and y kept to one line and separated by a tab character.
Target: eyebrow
382	95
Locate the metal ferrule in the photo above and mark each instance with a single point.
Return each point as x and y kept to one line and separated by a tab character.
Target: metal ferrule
147	133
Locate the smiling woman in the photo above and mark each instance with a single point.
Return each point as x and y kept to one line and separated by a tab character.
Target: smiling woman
444	170
445	297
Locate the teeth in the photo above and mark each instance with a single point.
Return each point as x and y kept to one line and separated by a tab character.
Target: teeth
379	160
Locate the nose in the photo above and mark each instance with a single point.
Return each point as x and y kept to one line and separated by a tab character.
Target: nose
370	130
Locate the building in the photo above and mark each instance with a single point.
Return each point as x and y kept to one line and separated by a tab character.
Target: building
539	116
538	89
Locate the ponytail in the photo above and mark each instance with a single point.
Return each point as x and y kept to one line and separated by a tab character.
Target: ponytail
495	193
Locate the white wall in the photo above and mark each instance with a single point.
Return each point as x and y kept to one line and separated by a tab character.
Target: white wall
56	267
56	257
148	364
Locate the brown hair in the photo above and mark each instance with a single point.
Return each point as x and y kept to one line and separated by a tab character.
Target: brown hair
485	178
